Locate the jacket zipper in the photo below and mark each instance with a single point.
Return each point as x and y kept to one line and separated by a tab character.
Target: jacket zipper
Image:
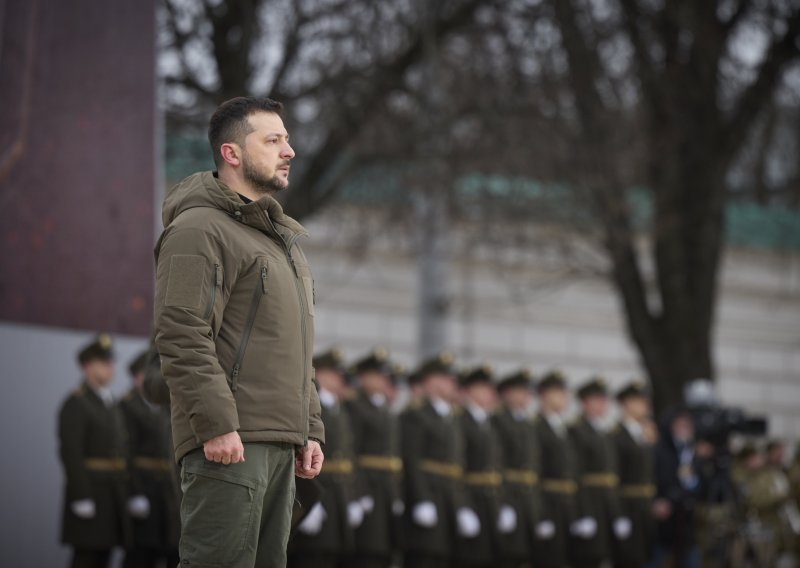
287	246
258	292
214	277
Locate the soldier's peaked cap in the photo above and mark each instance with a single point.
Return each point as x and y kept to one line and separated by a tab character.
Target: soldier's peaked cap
101	348
438	364
479	374
330	359
632	389
521	378
595	386
138	364
554	379
375	360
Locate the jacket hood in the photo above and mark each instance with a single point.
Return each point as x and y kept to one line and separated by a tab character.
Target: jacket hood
204	189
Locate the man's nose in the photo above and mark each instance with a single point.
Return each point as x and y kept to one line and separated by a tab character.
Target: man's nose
288	152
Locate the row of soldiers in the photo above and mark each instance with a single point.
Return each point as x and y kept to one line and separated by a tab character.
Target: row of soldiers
121	483
466	475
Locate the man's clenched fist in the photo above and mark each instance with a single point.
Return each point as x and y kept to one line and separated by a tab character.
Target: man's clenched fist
225	449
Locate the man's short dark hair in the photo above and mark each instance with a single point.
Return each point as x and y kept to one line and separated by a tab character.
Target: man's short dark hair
229	122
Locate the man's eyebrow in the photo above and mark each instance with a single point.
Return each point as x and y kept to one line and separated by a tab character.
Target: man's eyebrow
279	134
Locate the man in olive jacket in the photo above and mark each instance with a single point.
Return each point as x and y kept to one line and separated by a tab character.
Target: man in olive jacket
234	322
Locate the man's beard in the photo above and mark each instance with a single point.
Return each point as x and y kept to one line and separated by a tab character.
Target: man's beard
259	182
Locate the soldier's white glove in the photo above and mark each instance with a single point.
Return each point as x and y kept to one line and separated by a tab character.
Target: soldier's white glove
507	519
545	530
585	527
469	525
355	514
398	507
312	524
425	514
622	528
84	508
139	507
367	504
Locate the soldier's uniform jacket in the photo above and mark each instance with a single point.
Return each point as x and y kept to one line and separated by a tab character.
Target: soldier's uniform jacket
93	453
482	488
520	464
767	493
636	461
597	496
432	471
152	472
376	444
336	479
557	480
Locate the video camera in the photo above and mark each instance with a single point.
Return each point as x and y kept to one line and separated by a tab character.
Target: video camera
715	423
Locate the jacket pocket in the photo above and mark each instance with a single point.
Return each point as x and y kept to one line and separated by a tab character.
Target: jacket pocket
214	283
260	289
308	285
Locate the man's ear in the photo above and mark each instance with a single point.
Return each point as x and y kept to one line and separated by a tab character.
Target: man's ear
231	153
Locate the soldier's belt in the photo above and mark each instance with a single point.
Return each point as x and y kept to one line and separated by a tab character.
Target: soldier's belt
382	463
607	480
341	467
105	464
564	486
152	464
486	478
444	469
641	491
521	476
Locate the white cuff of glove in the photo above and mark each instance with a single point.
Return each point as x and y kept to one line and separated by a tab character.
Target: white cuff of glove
425	514
469	525
545	530
355	514
312	524
585	527
507	520
84	508
139	507
622	528
367	504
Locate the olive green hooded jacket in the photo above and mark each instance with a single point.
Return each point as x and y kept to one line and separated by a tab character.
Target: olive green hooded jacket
234	318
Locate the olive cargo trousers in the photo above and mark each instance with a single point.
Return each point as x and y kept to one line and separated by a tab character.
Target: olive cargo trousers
237	515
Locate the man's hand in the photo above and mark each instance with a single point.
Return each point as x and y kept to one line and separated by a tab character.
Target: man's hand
225	449
308	460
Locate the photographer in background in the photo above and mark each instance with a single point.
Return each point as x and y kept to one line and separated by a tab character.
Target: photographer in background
680	468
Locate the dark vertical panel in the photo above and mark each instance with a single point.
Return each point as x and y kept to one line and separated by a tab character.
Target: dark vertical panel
77	120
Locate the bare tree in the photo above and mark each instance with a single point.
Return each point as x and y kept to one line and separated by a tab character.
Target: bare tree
662	96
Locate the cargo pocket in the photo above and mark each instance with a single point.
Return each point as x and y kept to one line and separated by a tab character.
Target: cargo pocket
185	286
217	514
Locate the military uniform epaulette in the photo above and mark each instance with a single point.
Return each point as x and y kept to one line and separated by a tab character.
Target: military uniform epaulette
416	404
78	391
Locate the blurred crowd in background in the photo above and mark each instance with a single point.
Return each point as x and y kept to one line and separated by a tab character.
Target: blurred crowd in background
449	466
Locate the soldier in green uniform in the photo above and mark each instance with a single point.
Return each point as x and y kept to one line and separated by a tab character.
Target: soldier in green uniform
557	474
433	467
636	463
483	480
599	520
325	536
92	444
376	442
154	504
520	456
